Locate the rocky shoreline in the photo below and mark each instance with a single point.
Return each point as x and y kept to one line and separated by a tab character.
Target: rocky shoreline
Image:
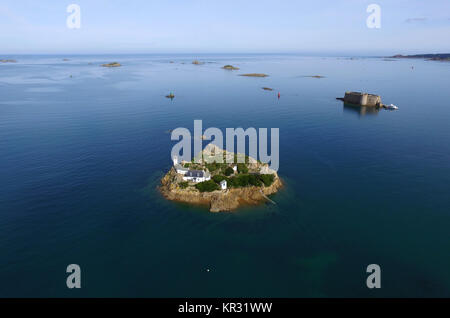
222	186
219	200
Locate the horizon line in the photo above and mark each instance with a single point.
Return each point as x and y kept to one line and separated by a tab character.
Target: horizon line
310	53
323	54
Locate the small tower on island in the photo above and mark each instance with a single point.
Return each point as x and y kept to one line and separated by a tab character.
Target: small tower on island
175	160
235	168
223	184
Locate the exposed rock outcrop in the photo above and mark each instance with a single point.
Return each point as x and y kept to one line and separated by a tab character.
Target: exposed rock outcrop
314	76
113	64
254	75
230	67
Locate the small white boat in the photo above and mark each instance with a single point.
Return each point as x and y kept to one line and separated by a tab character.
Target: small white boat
391	106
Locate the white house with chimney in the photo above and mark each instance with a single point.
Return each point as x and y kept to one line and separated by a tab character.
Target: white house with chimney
191	175
197	176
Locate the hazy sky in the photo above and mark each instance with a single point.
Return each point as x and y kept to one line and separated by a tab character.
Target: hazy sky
195	26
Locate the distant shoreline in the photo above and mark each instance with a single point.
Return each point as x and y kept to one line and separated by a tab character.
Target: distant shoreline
429	57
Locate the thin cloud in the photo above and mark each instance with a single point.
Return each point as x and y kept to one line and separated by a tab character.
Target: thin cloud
18	20
414	20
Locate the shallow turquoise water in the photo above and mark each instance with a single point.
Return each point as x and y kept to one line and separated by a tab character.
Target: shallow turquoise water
81	157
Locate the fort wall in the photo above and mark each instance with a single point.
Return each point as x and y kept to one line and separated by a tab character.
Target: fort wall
362	99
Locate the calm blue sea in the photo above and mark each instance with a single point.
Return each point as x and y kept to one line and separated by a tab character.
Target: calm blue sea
82	149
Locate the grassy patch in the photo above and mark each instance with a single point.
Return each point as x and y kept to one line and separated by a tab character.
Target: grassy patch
207	186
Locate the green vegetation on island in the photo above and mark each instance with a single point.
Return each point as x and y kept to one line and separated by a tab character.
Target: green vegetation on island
207	186
238	181
184	184
224	185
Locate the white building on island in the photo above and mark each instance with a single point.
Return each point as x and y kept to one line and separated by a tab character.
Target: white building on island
197	176
223	184
190	175
178	167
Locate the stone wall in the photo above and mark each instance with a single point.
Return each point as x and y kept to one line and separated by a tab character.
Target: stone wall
353	98
373	100
362	99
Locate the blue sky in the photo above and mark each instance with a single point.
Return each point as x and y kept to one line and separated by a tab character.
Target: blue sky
208	26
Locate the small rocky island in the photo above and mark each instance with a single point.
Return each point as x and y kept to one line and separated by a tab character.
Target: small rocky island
8	61
314	76
171	95
254	75
113	64
220	186
230	68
